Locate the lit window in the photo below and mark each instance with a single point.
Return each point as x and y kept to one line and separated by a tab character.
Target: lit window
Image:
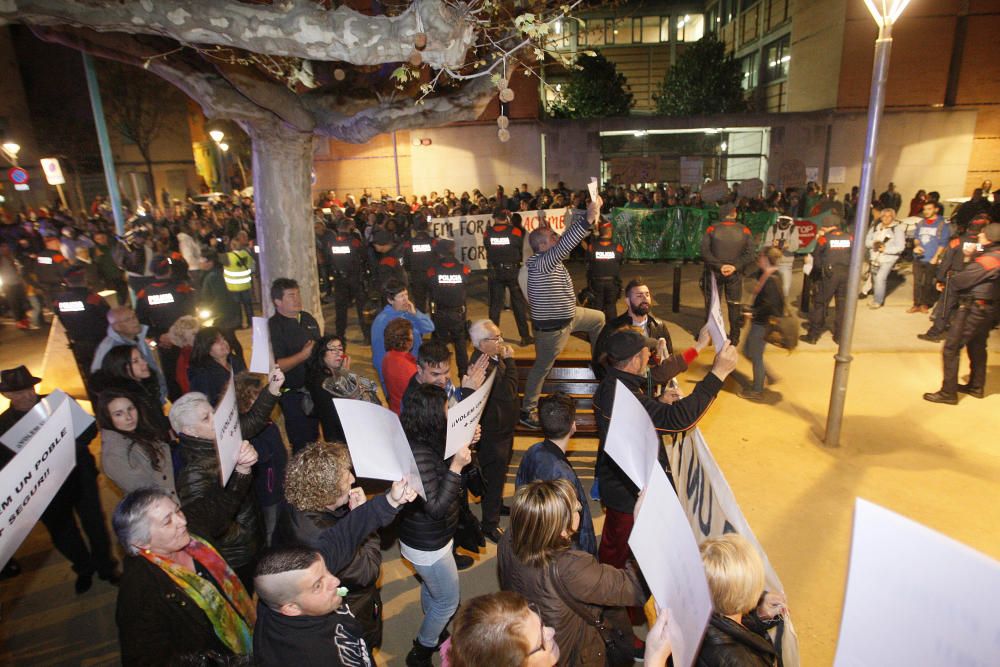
690	27
664	28
776	59
650	29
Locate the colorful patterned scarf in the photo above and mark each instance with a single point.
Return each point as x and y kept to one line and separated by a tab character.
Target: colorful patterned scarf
232	615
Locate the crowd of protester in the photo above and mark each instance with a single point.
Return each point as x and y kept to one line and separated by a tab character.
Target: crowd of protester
290	527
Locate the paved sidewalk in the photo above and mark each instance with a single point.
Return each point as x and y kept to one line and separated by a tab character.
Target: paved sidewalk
936	464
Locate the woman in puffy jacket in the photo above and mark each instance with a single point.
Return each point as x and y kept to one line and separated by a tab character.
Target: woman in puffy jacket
238	535
428	524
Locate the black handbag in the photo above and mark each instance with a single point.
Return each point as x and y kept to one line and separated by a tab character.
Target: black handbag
619	649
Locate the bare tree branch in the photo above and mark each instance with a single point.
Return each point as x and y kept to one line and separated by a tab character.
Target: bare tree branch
300	29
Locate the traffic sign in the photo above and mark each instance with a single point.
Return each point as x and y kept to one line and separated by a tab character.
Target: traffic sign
17	176
53	171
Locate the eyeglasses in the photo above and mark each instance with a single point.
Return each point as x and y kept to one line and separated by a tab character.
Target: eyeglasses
541	630
495	339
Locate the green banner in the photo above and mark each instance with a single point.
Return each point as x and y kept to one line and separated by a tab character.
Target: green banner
674	233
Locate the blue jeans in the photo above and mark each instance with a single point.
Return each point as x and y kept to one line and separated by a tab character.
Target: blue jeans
439	597
881	277
753	349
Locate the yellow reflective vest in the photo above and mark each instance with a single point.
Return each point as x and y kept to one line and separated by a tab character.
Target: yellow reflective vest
238	271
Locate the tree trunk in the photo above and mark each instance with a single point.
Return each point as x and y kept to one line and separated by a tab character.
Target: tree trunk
153	197
282	160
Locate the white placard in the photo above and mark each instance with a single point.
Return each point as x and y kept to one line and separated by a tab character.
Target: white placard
464	416
378	444
668	556
228	437
632	441
901	575
812	174
31	479
592	187
261	356
837	175
716	325
20	433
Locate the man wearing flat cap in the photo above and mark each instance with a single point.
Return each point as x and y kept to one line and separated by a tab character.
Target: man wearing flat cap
727	249
832	259
77	499
627	356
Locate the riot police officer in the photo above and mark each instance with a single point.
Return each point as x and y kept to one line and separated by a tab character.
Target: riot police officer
604	264
958	253
832	258
504	244
727	249
418	256
45	273
84	315
159	304
347	266
448	281
386	264
978	289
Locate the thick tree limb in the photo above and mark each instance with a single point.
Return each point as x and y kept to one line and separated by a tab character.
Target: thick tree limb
217	97
294	29
356	121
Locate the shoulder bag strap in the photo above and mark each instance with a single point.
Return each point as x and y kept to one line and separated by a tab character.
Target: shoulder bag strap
575	606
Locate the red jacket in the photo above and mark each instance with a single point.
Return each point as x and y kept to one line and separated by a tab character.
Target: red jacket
397	369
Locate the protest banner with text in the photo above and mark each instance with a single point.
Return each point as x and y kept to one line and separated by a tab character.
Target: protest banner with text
463	417
228	437
712	510
33	477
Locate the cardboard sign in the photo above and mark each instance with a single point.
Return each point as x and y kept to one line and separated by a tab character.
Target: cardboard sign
27	426
464	417
228	437
750	188
667	553
632	441
262	356
592	188
716	325
899	572
33	477
379	446
714	191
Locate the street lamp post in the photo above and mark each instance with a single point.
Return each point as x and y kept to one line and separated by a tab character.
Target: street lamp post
885	13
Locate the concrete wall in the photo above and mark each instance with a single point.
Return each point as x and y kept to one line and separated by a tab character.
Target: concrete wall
917	149
817	35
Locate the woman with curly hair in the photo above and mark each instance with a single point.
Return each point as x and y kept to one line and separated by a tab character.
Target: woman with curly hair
329	376
399	364
319	494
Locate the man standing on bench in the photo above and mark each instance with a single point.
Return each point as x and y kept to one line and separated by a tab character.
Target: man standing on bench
552	298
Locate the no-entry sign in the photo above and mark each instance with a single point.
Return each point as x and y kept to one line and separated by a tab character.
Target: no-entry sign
17	176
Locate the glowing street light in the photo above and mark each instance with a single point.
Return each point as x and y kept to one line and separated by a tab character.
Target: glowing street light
223	146
11	149
885	13
217	135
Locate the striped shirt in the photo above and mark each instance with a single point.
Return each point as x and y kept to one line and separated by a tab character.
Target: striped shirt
550	287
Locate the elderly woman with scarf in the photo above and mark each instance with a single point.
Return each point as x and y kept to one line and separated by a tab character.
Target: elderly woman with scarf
178	597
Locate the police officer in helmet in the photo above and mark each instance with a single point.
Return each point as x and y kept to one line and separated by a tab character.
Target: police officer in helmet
604	264
84	315
418	256
159	304
504	244
347	266
448	281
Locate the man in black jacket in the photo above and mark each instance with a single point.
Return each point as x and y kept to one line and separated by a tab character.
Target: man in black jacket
496	441
727	249
628	356
301	617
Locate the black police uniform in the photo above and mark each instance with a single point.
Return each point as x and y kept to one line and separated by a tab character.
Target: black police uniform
727	242
387	267
504	244
47	273
832	258
604	263
84	315
159	304
448	280
418	256
978	288
347	264
952	261
324	261
288	336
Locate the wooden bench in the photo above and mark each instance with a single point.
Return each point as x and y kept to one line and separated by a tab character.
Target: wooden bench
573	376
